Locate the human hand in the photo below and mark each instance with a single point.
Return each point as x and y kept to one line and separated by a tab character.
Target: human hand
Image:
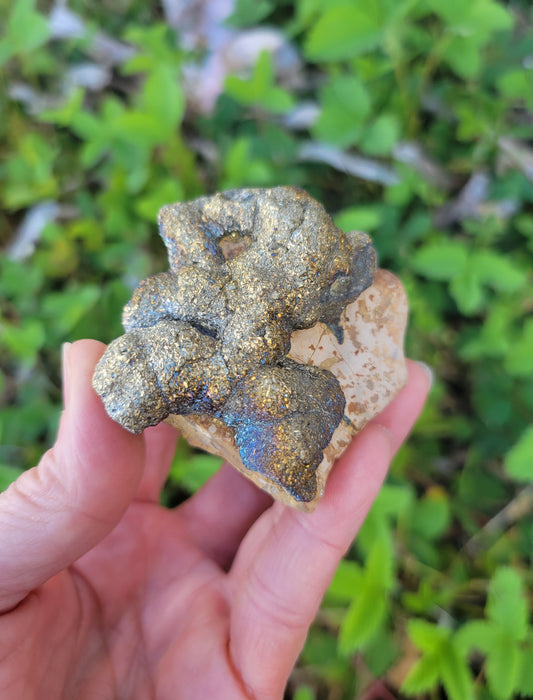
106	594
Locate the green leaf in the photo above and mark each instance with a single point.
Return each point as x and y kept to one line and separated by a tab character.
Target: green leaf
503	666
161	192
366	218
191	471
345	106
519	460
369	607
476	634
463	57
497	271
26	28
249	12
454	673
423	676
23	340
516	84
524	224
381	136
483	18
6	50
139	128
476	19
158	44
470	25
29	172
506	604
320	652
163	98
362	619
393	500
426	636
242	168
346	582
18	280
424	600
67	113
525	680
381	651
504	660
494	338
263	76
87	126
443	261
431	515
277	100
342	33
519	360
380	562
442	650
304	692
66	308
260	89
8	474
467	291
374	527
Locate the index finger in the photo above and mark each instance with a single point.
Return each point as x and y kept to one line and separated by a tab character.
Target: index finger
54	513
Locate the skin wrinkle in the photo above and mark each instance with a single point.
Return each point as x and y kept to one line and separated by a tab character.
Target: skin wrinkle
45	661
265	600
138	662
109	631
268	605
302	523
211	522
247	691
12	649
54	492
110	635
95	615
297	269
183	599
57	491
158	594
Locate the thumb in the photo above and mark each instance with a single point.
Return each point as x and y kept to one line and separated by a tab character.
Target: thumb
57	511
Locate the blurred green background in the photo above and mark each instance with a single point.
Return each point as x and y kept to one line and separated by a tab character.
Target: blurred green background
410	119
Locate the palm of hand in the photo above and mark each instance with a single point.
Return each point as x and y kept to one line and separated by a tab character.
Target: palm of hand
143	615
213	599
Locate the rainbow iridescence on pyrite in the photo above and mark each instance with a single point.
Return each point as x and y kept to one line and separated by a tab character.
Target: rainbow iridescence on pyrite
211	335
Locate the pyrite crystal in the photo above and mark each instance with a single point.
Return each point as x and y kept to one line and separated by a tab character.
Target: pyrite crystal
210	338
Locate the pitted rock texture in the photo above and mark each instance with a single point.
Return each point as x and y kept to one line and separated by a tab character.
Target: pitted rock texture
211	336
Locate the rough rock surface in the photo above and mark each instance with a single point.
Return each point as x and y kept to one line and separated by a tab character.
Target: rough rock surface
210	339
369	366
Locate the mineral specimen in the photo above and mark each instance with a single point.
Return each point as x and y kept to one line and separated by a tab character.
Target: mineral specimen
207	344
369	365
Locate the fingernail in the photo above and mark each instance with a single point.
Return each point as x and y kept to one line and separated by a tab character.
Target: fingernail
428	370
65	372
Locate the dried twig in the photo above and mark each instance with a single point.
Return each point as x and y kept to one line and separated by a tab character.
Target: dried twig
520	507
517	154
412	153
365	168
